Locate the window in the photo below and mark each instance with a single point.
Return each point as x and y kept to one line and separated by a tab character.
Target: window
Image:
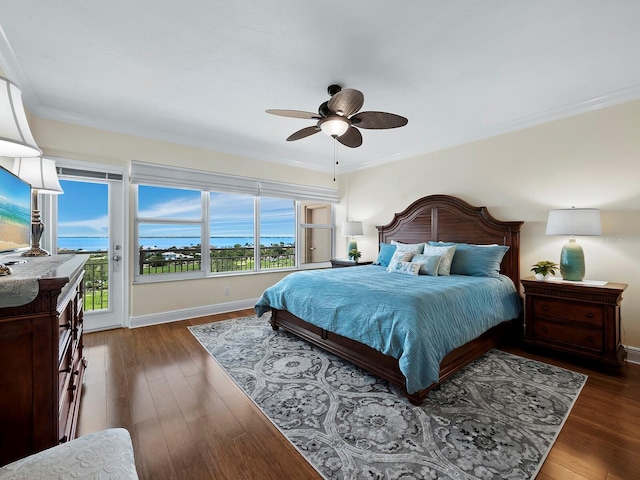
228	224
277	233
231	227
169	230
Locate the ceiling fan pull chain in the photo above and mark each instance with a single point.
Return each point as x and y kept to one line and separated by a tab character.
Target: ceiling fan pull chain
335	157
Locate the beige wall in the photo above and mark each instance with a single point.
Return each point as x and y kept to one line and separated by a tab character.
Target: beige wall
73	142
591	160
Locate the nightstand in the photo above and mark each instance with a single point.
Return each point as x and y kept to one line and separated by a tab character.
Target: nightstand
576	318
343	262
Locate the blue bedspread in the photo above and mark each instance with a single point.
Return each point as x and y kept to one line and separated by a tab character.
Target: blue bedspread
416	319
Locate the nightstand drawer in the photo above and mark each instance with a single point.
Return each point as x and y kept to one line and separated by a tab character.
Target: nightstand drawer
569	311
569	335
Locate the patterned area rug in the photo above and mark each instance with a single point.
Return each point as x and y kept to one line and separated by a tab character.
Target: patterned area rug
495	419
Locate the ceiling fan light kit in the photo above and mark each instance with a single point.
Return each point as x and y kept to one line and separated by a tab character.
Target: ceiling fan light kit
334	125
339	117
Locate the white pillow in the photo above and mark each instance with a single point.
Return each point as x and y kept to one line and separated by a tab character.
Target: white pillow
428	263
408	247
399	257
447	257
405	268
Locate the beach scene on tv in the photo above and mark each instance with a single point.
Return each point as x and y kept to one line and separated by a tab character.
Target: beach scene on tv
15	212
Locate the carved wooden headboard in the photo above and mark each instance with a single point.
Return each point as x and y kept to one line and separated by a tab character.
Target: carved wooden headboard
450	219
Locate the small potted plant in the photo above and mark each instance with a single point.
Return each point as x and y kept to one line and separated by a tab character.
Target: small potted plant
354	254
543	269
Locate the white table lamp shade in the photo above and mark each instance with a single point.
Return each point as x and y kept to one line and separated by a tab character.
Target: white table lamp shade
574	221
16	139
350	229
39	172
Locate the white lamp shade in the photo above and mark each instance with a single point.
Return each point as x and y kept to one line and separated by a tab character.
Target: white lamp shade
350	229
574	221
39	172
334	125
16	139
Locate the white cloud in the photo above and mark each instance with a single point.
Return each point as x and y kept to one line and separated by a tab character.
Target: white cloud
100	224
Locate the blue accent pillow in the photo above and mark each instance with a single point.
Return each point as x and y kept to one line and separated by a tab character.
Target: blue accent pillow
386	252
428	264
476	260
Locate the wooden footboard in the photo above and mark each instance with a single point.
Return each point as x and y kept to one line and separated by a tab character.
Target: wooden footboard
384	366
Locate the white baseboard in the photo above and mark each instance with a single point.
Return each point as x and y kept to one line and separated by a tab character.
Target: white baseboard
633	355
187	313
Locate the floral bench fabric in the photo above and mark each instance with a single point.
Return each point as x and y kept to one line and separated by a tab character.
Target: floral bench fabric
107	454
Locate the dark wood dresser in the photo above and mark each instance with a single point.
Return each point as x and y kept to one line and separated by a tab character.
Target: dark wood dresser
42	364
580	319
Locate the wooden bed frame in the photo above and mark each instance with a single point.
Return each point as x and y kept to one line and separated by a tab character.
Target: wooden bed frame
435	217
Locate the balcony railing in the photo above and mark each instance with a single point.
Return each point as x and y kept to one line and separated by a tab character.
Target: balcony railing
231	259
96	281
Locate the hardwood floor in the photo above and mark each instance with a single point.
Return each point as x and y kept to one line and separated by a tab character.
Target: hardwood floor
188	420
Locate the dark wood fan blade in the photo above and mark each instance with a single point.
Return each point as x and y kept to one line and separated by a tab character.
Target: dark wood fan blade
351	138
346	102
305	132
294	114
378	120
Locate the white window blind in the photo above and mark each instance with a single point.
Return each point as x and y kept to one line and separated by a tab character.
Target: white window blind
163	175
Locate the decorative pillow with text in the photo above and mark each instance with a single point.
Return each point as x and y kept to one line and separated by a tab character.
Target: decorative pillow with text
405	268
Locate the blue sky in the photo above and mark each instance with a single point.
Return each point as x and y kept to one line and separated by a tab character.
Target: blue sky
83	212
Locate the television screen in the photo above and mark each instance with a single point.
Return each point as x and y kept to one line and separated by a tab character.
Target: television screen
15	212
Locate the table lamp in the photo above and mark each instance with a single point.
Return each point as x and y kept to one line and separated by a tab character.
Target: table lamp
573	221
41	174
351	229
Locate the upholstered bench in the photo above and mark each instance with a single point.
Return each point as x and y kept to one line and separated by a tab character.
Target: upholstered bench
101	455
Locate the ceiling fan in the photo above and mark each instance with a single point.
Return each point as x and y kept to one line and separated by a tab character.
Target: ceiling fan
339	119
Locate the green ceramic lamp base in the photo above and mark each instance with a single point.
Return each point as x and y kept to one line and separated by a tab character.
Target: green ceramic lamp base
572	262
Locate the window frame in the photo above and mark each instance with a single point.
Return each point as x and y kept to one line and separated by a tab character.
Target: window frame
297	193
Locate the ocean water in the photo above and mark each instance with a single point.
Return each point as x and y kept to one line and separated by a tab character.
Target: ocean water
91	244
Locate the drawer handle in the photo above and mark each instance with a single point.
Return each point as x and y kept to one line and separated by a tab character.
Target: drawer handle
73	387
545	329
589	315
589	338
545	308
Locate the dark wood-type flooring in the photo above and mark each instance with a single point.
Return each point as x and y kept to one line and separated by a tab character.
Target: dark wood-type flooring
188	420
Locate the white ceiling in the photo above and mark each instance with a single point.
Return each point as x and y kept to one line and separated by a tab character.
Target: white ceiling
203	72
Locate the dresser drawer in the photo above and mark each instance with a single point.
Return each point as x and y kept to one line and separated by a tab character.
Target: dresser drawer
64	366
70	400
585	313
569	334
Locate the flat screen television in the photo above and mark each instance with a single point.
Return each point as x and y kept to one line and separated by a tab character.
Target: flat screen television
15	212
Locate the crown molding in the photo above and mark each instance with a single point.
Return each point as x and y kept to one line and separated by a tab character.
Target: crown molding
570	110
